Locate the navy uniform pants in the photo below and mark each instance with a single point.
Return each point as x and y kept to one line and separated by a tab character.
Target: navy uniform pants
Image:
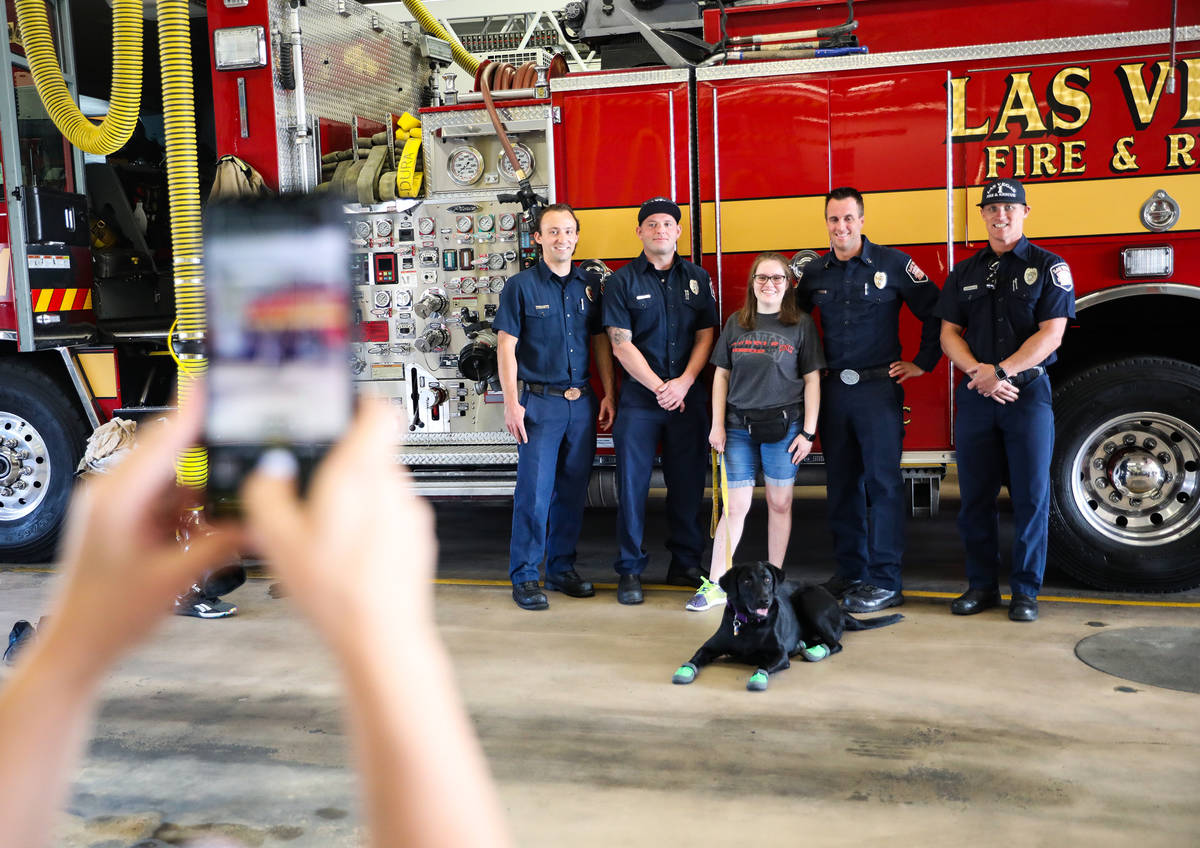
553	468
988	436
862	431
685	461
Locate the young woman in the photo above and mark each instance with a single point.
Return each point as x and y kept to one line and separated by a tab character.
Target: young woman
765	397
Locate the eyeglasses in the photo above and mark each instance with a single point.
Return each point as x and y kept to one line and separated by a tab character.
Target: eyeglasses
773	279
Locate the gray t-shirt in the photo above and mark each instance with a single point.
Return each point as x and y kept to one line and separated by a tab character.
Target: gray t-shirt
767	364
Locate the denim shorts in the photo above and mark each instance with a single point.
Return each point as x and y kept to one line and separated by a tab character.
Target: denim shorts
743	458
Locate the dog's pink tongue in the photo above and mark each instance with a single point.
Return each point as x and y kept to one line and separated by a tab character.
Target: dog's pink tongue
763	612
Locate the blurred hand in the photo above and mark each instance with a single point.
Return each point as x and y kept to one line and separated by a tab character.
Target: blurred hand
358	554
121	564
514	421
672	392
799	448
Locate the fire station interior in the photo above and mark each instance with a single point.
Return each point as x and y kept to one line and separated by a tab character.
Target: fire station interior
1077	729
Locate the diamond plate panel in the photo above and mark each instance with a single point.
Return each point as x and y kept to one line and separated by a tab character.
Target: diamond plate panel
349	69
501	437
459	455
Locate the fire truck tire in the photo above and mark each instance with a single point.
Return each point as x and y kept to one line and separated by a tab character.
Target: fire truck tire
1125	478
42	437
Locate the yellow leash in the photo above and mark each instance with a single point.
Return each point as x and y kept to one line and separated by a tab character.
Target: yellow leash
720	504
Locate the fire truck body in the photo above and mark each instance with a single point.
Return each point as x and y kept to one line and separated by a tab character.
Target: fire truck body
1069	97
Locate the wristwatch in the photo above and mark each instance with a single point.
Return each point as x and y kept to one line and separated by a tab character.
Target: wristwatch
1001	374
808	436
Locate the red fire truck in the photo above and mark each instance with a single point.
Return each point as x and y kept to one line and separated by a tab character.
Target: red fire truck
1094	106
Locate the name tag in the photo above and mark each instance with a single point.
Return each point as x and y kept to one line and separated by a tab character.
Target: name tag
541	306
644	296
970	288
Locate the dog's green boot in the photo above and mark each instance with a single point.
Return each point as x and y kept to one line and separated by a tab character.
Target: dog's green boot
816	653
686	673
757	681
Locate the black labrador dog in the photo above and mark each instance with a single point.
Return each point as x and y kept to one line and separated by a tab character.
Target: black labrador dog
766	623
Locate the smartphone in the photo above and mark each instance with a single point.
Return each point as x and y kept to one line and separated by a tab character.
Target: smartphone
278	306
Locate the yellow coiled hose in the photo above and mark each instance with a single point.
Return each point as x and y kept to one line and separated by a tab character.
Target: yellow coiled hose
429	23
183	187
115	130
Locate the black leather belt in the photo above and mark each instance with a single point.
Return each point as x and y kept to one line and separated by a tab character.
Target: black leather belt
1024	378
570	392
854	376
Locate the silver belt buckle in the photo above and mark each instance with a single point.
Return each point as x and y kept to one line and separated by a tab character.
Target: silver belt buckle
849	376
572	393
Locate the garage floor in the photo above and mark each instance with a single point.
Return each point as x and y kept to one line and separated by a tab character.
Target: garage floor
937	731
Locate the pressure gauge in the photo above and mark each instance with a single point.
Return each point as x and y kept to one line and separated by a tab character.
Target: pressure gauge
465	165
469	285
403	299
362	229
524	157
508	221
463	223
496	261
497	284
383	298
383	227
485	223
425	226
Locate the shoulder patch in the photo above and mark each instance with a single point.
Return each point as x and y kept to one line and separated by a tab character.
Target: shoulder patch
1061	274
915	273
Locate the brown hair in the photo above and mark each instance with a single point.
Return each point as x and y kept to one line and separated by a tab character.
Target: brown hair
789	310
555	207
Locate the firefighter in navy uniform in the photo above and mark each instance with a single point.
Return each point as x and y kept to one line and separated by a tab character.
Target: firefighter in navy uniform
1013	300
661	316
548	316
859	287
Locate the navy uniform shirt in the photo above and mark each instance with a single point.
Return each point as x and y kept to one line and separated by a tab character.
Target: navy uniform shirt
1001	300
553	319
663	317
860	307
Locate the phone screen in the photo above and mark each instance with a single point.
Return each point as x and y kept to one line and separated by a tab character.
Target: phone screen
279	330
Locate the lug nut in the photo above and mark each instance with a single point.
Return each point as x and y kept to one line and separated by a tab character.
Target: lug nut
1135	502
1101	483
5	492
1115	497
20	485
1109	447
22	454
1150	444
1164	457
1097	463
26	470
11	443
1129	439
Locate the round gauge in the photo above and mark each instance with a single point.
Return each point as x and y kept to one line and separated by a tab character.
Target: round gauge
497	284
508	221
496	261
485	223
425	226
469	285
463	223
524	157
404	298
383	227
465	165
383	298
362	229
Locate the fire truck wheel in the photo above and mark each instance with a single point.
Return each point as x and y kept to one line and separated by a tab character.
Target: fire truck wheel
42	437
1125	479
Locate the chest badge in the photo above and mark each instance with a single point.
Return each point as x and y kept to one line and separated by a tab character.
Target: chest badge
880	279
694	286
1031	275
590	296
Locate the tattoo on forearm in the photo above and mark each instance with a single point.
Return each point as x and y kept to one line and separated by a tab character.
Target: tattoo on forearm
619	336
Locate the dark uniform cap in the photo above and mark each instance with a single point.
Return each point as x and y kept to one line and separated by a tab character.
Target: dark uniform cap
656	205
1003	191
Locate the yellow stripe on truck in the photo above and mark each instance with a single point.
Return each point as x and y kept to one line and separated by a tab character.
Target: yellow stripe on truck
43	301
1075	208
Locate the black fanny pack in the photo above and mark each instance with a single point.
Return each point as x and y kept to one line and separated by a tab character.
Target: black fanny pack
767	426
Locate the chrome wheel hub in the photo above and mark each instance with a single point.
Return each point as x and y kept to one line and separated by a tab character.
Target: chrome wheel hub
1136	478
24	467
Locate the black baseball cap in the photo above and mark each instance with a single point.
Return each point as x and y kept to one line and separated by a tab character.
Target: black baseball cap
1003	191
657	205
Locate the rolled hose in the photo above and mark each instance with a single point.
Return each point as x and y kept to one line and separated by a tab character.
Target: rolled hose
115	130
466	60
183	189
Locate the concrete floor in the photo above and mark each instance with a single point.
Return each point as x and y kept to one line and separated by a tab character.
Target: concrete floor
937	731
